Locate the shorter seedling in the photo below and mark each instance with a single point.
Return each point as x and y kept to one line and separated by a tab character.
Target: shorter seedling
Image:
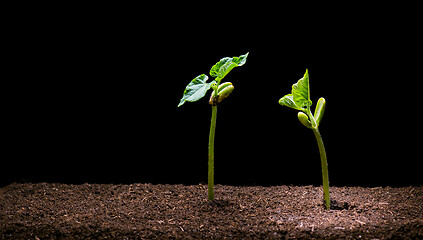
299	99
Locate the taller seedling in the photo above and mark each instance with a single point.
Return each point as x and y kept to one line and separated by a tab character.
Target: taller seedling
299	99
198	87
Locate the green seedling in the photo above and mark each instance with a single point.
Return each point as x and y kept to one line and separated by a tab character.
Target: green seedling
198	87
299	99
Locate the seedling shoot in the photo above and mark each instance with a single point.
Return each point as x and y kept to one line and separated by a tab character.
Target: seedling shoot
299	99
198	88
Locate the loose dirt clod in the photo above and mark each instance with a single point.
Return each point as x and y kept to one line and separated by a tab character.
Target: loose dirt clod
146	211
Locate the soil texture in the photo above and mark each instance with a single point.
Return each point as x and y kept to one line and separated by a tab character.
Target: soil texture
146	211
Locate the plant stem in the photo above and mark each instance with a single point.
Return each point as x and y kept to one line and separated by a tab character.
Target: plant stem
311	117
211	153
325	173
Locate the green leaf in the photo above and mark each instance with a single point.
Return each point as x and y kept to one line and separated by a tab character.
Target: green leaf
288	101
241	60
225	69
300	95
196	89
225	65
215	69
301	92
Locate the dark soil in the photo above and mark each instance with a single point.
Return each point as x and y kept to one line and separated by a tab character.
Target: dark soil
146	211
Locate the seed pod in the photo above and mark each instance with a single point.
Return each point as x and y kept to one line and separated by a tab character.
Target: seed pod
223	92
320	110
304	120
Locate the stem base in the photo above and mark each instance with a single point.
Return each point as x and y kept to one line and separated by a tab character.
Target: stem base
325	172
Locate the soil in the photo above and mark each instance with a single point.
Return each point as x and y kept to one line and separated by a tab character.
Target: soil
146	211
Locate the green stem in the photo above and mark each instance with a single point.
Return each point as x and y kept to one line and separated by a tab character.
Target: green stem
325	173
211	153
311	117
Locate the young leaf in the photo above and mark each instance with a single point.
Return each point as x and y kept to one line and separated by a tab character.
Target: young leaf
225	69
225	65
196	89
301	93
215	69
241	60
288	101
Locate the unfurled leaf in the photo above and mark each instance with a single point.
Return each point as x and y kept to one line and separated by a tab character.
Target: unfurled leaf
288	101
225	65
241	60
215	69
196	89
300	95
225	69
320	110
301	92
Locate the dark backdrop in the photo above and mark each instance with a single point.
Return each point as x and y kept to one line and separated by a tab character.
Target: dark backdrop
95	100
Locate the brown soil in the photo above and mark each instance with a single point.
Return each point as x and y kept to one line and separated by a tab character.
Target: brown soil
146	211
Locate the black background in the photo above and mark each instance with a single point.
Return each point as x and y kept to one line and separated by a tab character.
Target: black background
92	96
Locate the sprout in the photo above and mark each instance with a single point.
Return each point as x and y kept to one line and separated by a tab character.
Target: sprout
299	99
198	87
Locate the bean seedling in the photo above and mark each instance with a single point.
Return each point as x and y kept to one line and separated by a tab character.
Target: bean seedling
198	87
299	99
